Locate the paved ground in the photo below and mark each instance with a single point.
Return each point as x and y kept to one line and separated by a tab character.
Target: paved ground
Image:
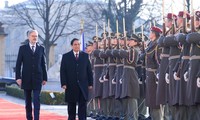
57	109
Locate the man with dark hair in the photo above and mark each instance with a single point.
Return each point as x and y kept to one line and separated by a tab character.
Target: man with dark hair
31	58
76	78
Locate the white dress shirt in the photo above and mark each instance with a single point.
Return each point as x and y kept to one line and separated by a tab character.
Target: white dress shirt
76	53
32	45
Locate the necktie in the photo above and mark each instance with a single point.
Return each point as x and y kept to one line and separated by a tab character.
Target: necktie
76	56
32	48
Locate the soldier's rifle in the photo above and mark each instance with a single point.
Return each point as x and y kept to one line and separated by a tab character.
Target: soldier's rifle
118	44
97	38
185	32
143	45
192	22
125	37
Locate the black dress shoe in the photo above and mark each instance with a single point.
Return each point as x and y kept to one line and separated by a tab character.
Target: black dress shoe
148	118
109	118
116	118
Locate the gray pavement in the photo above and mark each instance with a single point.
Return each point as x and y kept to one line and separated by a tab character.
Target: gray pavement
57	109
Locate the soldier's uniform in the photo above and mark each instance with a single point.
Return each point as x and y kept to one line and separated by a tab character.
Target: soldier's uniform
118	84
163	87
111	67
141	70
130	84
197	95
179	110
97	84
151	56
91	104
105	79
118	72
193	98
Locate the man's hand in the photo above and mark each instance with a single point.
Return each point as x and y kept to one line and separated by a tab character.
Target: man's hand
44	82
19	82
64	87
90	87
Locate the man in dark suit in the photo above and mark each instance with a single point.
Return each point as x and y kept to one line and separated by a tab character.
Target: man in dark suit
76	79
31	58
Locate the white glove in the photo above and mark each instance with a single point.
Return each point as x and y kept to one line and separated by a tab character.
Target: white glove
113	81
104	78
120	81
198	82
100	80
185	76
157	76
140	82
175	76
167	78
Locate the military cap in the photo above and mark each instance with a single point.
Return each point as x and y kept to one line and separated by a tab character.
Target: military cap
106	34
135	38
156	29
95	38
171	15
140	36
112	35
181	14
119	35
197	13
90	43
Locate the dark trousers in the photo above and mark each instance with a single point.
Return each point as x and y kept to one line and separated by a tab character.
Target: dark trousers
82	108
36	103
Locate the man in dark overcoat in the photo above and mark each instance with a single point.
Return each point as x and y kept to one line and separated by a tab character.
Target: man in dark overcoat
76	78
31	73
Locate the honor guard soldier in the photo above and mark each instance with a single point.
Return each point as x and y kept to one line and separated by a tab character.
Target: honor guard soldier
180	68
197	95
192	93
163	87
98	85
118	76
105	77
141	70
152	60
91	104
130	84
112	102
174	55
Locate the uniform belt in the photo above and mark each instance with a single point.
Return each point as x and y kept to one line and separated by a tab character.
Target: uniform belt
164	55
174	57
139	65
151	70
118	65
98	65
185	57
112	64
194	57
130	67
143	66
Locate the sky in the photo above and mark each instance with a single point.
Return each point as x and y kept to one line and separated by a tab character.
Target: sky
177	4
10	2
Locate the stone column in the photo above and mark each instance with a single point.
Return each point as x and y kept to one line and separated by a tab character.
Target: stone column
2	49
52	55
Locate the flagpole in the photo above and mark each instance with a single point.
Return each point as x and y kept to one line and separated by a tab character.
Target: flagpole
82	46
